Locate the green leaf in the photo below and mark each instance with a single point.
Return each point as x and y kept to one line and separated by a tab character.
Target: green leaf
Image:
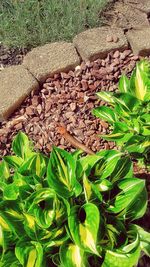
62	208
122	169
35	165
13	218
131	191
13	161
87	188
126	101
120	127
116	232
61	174
105	113
138	208
9	260
146	130
4	170
29	254
85	164
145	118
4	223
41	205
124	84
119	258
144	239
72	255
111	160
106	96
83	225
139	81
22	146
104	185
11	221
11	192
137	144
115	136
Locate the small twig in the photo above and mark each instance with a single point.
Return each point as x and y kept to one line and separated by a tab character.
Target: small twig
73	141
16	121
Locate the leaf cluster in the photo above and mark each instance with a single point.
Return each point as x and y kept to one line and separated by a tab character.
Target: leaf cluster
70	210
128	113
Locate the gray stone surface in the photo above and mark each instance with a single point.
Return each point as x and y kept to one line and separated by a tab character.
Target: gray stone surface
127	16
51	58
15	85
143	5
96	42
139	41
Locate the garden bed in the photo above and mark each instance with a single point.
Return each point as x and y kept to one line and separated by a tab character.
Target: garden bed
67	99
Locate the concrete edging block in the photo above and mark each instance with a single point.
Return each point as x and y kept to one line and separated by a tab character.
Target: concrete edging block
95	42
16	85
49	59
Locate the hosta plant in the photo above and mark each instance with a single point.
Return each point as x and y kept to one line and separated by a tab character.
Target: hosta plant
128	113
70	210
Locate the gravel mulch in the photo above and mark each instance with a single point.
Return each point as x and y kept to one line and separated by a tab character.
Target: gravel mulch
68	98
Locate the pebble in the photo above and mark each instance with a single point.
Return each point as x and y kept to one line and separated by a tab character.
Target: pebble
115	39
116	54
73	106
109	38
29	111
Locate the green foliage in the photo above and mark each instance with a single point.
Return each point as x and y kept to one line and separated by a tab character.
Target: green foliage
32	22
129	113
70	210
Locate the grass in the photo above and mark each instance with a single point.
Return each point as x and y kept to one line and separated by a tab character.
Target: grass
28	23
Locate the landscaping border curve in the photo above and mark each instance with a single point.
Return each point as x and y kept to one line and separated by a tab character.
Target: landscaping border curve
18	81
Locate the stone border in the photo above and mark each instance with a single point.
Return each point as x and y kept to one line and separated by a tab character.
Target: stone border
18	81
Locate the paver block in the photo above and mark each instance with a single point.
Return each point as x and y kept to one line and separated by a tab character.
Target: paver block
143	5
51	58
16	83
139	41
94	43
127	16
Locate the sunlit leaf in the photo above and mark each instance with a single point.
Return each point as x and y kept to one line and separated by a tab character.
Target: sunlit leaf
72	256
22	146
36	164
13	161
41	205
121	169
11	192
84	224
4	170
85	164
105	113
131	191
61	173
120	258
29	254
144	239
140	77
124	84
106	96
